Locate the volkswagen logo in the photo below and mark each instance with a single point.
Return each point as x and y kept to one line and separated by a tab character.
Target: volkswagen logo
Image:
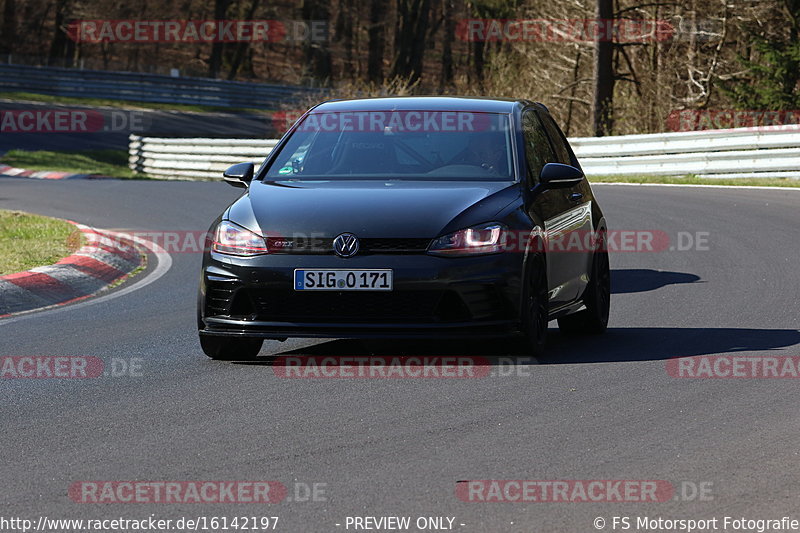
345	245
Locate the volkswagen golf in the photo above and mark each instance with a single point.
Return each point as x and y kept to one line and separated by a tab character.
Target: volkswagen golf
425	217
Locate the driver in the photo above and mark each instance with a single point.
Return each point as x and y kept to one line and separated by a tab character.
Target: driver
486	151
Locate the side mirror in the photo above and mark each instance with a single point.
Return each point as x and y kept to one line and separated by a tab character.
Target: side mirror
559	175
239	175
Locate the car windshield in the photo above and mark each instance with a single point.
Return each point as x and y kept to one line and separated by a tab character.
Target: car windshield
397	145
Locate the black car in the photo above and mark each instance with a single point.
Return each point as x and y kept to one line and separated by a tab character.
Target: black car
429	217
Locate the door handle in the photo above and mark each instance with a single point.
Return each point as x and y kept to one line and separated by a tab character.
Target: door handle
576	197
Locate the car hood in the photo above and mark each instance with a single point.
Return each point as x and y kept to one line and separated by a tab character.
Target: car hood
370	209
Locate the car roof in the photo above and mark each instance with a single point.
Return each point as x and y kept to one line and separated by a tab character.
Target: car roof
423	103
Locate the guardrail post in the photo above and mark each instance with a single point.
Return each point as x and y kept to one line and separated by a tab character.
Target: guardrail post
135	156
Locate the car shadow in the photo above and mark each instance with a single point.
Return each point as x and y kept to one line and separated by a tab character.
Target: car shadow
616	345
650	344
631	280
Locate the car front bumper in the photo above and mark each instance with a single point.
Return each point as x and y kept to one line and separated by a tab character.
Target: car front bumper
432	297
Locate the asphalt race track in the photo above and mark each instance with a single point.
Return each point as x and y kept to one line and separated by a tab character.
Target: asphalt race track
595	409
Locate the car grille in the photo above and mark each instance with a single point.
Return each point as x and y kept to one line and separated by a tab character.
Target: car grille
218	298
230	299
395	245
344	306
366	246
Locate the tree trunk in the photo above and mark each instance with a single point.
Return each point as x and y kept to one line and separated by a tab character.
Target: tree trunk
215	61
9	27
344	34
573	90
412	28
421	32
478	49
58	46
317	55
241	47
602	107
447	47
377	40
791	74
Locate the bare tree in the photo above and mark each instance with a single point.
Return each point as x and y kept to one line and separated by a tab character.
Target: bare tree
602	104
215	61
317	55
9	26
241	47
412	28
447	46
61	47
376	40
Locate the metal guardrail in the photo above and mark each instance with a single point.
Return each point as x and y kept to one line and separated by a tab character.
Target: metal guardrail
193	158
771	151
155	88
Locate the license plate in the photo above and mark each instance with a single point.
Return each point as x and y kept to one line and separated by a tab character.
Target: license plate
342	280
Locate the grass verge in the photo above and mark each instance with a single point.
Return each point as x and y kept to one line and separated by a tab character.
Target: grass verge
124	104
694	180
112	163
28	241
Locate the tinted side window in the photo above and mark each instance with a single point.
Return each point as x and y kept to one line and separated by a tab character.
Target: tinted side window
538	151
559	143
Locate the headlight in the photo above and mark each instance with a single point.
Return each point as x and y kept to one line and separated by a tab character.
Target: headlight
484	239
235	240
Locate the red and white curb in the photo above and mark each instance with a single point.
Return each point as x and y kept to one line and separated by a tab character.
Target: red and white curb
100	262
13	172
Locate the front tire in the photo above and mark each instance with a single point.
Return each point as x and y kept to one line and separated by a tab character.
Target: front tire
536	307
597	298
230	348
